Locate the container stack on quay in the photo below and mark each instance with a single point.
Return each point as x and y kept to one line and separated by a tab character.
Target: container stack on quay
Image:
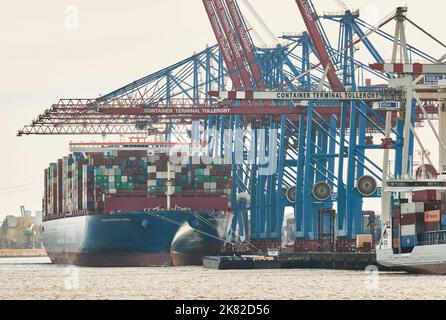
80	183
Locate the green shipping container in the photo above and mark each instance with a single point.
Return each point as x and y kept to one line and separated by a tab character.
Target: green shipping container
223	179
199	172
121	185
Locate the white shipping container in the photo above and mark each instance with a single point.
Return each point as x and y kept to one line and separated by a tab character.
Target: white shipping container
151	169
207	172
151	183
408	230
112	190
151	159
213	185
177	169
124	178
412	207
170	175
163	175
111	178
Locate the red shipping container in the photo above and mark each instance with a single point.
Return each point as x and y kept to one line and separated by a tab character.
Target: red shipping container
395	243
408	219
425	195
396	213
431	226
432	205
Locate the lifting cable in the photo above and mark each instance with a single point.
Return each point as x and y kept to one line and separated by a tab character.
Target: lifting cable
216	228
426	33
195	230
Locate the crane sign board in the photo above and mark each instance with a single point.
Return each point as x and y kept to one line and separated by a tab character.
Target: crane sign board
432	78
382	95
202	111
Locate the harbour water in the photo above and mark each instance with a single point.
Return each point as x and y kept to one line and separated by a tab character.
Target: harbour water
37	278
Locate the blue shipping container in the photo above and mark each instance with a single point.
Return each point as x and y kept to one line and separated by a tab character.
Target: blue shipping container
443	219
408	242
160	183
327	228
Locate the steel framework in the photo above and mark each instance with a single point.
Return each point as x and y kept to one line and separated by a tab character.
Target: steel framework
326	143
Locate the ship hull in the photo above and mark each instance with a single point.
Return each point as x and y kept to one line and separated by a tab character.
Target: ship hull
111	259
422	260
131	239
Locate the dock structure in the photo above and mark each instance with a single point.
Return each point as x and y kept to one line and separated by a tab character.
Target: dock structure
297	260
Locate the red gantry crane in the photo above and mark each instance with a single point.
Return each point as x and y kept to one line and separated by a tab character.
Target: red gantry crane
310	18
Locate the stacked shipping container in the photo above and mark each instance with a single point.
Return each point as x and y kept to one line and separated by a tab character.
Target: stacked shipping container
412	220
80	182
396	222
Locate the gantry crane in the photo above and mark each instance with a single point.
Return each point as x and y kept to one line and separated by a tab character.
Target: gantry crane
323	142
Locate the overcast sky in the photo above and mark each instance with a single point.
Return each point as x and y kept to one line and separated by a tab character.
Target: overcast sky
43	59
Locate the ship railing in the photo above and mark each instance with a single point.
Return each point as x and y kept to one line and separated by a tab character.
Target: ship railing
432	238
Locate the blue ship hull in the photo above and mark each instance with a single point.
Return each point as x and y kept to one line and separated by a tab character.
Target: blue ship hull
157	238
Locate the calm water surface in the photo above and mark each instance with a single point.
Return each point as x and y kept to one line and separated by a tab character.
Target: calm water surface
37	278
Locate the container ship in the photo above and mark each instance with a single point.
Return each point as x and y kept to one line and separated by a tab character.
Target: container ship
414	239
125	204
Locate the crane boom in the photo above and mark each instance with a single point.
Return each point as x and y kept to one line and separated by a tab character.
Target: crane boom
310	21
223	44
233	43
247	46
